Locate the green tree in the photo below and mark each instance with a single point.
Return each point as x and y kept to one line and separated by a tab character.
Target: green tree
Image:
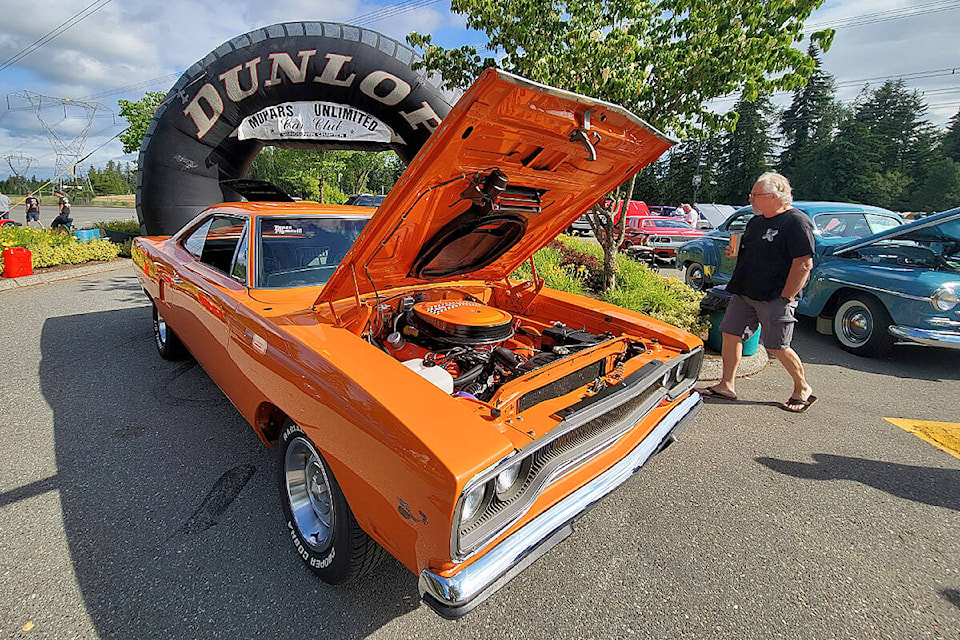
746	150
663	60
808	126
881	152
138	114
950	144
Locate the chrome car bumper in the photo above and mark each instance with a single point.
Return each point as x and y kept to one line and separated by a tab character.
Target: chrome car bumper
927	336
458	594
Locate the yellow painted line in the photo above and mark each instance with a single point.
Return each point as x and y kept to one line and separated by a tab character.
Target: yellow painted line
943	435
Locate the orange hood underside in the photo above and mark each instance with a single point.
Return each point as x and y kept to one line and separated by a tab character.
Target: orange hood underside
532	134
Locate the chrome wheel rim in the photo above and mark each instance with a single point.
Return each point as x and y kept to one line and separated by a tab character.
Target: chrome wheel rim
161	325
856	325
308	493
695	278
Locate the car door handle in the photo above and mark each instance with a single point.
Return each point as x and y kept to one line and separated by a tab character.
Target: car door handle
175	280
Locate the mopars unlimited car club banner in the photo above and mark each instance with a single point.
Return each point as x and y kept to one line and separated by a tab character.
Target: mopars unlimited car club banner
313	121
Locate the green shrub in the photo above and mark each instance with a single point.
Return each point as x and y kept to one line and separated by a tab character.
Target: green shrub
123	226
50	248
576	266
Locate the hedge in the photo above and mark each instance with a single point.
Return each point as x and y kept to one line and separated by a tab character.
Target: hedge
50	248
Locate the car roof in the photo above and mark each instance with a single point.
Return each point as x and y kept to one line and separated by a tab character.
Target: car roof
301	208
813	207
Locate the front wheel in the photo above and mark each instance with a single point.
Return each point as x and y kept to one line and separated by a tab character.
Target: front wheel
168	344
861	325
696	277
319	521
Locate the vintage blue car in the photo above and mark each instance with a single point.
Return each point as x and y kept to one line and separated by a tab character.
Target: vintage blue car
873	282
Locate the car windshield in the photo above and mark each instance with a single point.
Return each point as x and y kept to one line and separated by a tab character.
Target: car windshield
671	224
367	201
852	224
303	251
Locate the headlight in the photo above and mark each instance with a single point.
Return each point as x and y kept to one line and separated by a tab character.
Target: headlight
507	478
471	503
944	299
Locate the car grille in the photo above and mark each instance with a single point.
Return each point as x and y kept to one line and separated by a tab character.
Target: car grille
591	426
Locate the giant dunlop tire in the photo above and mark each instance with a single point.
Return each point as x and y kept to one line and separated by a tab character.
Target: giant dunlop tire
190	145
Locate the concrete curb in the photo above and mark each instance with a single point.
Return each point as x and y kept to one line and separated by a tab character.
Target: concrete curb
7	284
713	365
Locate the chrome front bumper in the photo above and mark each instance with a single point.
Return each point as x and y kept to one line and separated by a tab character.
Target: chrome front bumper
458	594
933	338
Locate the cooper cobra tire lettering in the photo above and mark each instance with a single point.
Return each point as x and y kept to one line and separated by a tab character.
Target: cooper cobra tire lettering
190	145
341	551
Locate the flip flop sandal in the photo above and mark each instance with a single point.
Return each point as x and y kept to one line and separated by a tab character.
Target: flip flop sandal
803	405
712	392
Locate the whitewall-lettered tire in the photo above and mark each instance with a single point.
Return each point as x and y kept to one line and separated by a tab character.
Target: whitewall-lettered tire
168	344
319	521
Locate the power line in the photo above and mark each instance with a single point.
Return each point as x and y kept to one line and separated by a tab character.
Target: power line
74	20
389	11
883	16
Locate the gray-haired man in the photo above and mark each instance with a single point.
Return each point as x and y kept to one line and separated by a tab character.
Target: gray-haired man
774	260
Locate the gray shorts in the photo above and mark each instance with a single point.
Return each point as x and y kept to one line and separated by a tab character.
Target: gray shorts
777	317
33	216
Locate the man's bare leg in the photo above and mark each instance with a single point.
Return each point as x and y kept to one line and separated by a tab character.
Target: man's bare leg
791	362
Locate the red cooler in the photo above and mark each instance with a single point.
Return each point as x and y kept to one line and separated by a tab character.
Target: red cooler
17	261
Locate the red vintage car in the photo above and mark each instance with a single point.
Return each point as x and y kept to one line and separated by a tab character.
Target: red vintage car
657	238
422	402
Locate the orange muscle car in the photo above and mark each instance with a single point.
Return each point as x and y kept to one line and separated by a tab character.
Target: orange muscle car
422	403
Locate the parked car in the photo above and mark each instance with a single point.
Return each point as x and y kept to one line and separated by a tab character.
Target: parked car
657	238
713	215
421	402
580	226
661	210
874	279
365	200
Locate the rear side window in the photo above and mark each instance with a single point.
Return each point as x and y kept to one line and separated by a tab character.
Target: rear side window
216	241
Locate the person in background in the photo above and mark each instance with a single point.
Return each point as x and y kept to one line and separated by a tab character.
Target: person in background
692	216
63	219
774	260
4	207
32	205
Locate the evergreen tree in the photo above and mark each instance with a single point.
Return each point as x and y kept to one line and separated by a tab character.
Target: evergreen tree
950	144
880	154
808	127
746	149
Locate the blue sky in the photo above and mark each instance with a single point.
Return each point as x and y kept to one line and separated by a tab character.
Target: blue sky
128	43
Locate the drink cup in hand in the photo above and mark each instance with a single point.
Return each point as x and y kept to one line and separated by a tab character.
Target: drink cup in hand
734	246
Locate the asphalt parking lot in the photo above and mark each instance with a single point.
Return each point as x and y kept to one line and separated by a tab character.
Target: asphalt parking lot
136	503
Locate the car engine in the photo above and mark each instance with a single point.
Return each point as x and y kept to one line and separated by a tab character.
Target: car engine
469	348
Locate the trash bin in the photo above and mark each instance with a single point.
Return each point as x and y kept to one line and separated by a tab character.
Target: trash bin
87	235
17	261
714	305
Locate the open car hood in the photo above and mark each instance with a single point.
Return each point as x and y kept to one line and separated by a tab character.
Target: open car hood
942	227
512	165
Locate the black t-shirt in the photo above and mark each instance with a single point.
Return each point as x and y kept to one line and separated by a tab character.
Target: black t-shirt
64	205
767	251
32	204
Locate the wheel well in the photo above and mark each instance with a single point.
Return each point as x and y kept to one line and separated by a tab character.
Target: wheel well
830	308
268	422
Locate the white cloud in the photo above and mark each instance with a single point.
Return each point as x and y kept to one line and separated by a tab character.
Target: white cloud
127	43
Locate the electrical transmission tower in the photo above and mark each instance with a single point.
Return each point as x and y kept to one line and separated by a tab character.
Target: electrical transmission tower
69	148
19	164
